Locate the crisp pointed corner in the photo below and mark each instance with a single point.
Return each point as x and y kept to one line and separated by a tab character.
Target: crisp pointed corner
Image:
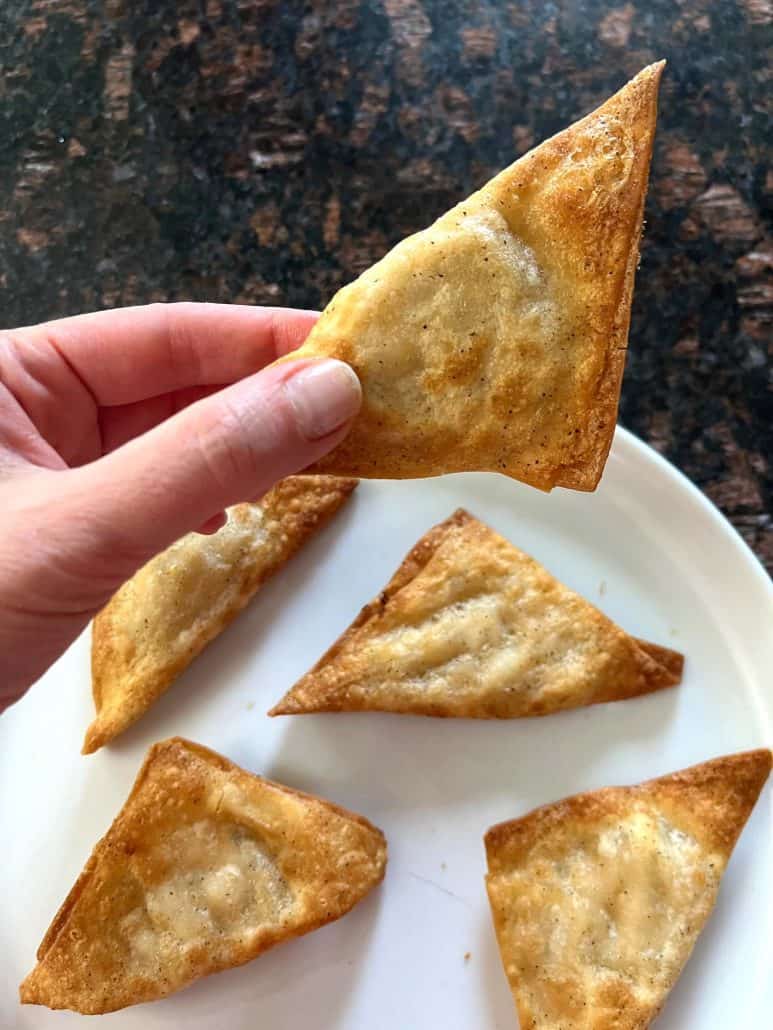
671	662
646	83
287	706
719	794
93	740
755	767
101	731
27	993
348	485
655	70
640	96
652	72
744	772
637	103
737	778
661	668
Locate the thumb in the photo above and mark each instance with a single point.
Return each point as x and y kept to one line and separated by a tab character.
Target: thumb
231	446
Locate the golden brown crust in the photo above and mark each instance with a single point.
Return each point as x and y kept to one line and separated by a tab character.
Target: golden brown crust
495	339
205	867
598	899
672	661
713	800
409	569
159	621
470	626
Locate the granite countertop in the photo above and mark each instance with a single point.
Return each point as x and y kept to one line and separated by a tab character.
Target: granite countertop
266	151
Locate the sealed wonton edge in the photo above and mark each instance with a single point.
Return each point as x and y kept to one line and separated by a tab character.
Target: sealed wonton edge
664	665
715	798
737	779
161	752
351	458
106	624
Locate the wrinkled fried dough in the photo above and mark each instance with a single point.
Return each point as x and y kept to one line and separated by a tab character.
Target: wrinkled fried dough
205	867
495	339
158	622
598	900
471	626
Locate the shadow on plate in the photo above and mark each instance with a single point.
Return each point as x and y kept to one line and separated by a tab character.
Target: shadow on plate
435	763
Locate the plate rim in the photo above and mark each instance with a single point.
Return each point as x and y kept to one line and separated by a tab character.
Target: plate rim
628	439
629	449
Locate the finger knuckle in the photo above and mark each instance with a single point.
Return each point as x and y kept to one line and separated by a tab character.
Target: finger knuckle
183	355
227	449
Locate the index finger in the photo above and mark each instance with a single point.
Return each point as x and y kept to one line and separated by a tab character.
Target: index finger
128	354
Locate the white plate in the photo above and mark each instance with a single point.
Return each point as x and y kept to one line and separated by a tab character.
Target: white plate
420	951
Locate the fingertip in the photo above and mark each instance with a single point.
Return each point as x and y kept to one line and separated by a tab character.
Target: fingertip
323	395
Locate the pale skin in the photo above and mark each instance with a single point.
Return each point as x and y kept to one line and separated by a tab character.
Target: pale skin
121	431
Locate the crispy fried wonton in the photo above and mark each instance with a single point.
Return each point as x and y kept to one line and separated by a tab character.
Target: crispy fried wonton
159	621
205	867
471	626
598	900
495	339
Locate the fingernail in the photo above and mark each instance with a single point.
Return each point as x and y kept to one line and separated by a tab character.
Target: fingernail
323	396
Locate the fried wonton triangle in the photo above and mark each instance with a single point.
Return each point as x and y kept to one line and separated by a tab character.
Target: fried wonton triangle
598	900
159	621
205	867
495	339
471	626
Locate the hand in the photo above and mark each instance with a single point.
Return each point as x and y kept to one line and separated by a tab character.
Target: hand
123	430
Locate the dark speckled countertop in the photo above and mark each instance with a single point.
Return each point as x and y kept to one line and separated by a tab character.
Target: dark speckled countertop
266	151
